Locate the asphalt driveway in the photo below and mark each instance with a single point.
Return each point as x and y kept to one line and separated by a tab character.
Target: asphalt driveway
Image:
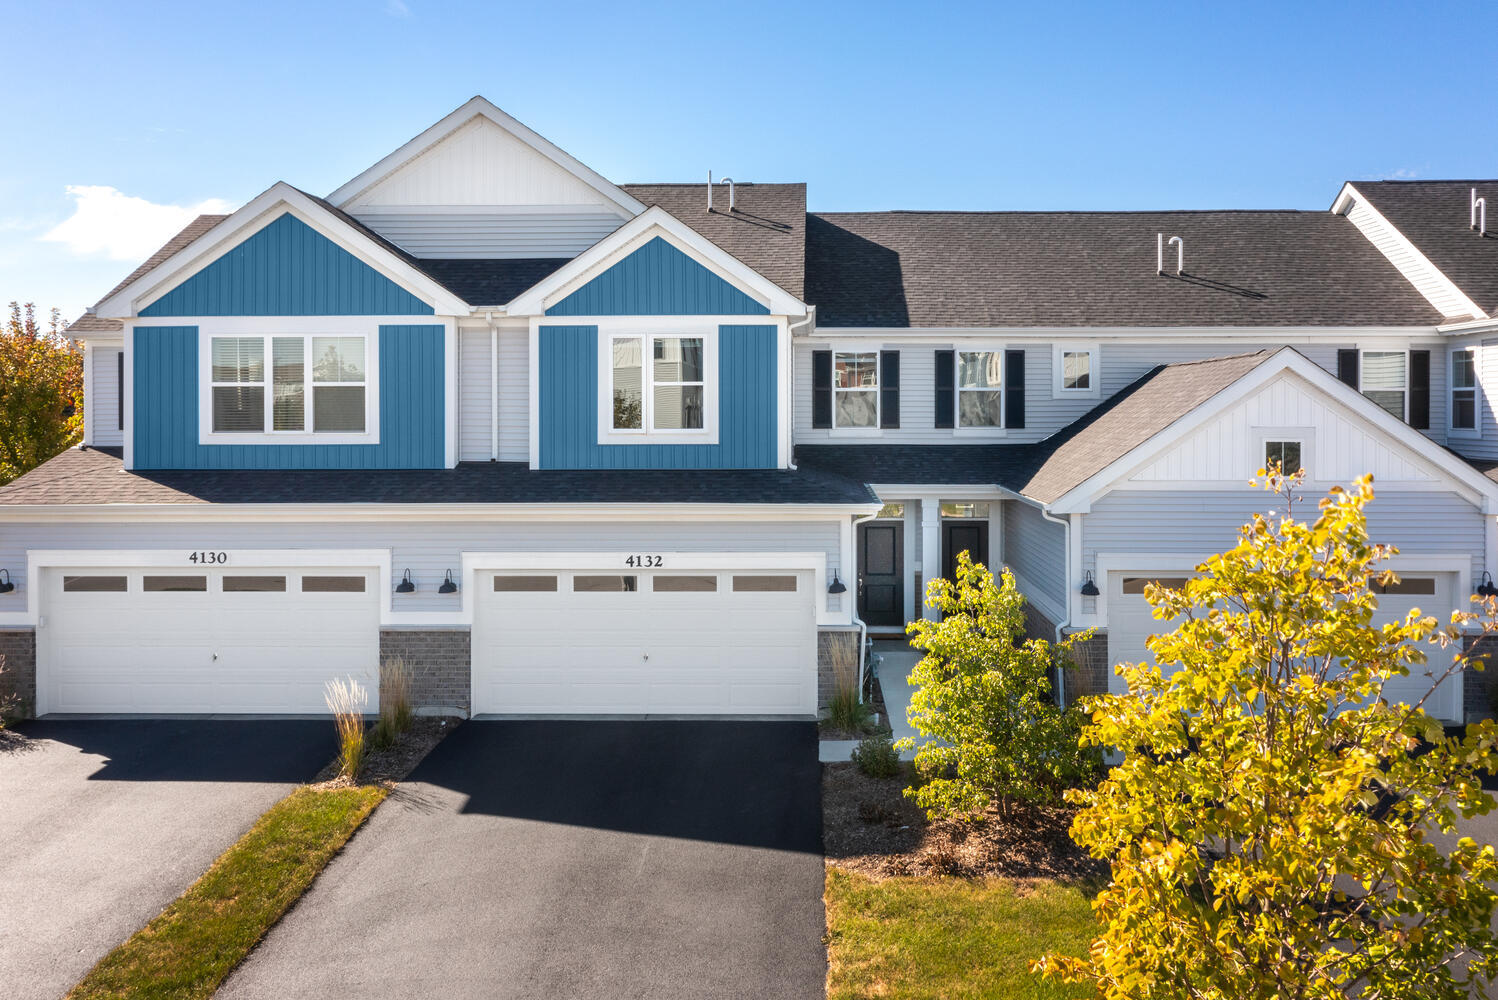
574	859
105	822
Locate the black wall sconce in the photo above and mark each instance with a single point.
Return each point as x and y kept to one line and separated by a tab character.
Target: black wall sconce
837	586
1089	589
448	586
405	586
6	587
1484	589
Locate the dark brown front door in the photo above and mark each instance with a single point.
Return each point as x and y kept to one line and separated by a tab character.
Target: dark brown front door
963	536
881	572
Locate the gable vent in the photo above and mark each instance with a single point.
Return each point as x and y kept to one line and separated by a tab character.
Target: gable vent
1479	214
1180	245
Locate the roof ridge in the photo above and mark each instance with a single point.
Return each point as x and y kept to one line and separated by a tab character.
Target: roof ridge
1262	352
1080	211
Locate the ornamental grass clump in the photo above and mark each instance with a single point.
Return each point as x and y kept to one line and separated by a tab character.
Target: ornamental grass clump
395	702
347	700
1278	828
846	710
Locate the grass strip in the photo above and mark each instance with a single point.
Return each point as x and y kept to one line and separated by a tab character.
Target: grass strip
950	938
188	950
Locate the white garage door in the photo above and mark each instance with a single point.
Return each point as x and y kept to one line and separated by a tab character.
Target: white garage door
1130	624
691	642
204	640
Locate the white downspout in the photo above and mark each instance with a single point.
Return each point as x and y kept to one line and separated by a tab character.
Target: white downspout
790	401
863	628
1066	526
493	387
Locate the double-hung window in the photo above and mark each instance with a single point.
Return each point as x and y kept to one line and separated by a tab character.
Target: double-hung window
1463	380
1385	380
855	389
659	383
289	384
980	392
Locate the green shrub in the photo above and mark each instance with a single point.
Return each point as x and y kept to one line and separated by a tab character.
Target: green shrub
877	757
347	700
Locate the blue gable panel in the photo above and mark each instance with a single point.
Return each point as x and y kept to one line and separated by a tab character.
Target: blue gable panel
568	384
412	409
658	280
288	269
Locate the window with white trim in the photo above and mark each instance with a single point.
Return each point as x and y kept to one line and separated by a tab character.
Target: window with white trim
855	389
980	388
1282	454
1385	380
668	394
245	401
1463	408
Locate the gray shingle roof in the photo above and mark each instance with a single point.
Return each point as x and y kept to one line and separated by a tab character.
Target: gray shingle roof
88	323
97	476
1098	269
1436	216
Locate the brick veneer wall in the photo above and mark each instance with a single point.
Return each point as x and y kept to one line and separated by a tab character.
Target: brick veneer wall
827	640
1090	666
18	651
439	659
1478	685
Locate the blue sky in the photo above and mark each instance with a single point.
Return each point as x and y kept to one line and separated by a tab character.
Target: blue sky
123	118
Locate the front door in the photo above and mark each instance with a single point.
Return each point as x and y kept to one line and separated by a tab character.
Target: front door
963	536
881	571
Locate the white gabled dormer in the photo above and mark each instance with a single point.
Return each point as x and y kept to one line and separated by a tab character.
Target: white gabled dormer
480	184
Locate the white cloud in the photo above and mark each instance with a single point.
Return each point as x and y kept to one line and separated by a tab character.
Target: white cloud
109	223
1399	174
397	8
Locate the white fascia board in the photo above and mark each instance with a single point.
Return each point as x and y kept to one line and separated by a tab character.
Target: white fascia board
1350	196
260	212
655	221
480	107
1470	326
896	492
1142	334
1080	498
324	513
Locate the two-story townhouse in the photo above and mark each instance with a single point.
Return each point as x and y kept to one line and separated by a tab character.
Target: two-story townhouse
568	446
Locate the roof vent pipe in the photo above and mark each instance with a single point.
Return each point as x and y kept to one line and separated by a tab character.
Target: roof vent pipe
1479	214
709	190
1180	245
729	182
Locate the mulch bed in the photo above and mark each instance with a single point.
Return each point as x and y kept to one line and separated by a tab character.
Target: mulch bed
868	826
391	764
876	703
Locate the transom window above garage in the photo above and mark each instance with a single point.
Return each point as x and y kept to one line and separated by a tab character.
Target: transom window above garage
283	385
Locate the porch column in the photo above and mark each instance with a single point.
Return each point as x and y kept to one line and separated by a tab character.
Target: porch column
930	544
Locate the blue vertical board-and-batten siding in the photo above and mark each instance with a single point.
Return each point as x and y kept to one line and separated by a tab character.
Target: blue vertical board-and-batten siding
412	409
747	406
658	280
288	269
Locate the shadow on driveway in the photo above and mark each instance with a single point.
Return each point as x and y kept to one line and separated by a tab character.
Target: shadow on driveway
273	750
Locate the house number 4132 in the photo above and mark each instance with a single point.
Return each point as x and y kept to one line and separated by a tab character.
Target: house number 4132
208	558
643	562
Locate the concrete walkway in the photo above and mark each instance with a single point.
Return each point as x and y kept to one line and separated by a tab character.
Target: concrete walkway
893	662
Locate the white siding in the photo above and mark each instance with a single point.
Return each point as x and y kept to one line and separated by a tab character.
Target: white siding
428	549
1035	549
1486	445
549	233
475	398
103	405
514	395
1420	272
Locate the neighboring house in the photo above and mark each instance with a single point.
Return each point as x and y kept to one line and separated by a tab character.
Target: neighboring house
569	446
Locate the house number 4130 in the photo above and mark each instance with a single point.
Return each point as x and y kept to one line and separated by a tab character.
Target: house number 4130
208	558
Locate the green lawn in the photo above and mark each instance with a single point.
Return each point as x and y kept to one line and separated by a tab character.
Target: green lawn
949	939
186	952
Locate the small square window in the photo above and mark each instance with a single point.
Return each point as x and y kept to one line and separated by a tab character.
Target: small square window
1076	370
1285	454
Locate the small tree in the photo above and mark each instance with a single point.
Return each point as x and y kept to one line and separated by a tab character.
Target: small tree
983	696
41	392
1270	830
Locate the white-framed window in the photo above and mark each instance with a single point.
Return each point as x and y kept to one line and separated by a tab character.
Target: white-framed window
1290	447
1074	370
855	390
1284	453
658	384
1462	412
1385	378
980	389
281	386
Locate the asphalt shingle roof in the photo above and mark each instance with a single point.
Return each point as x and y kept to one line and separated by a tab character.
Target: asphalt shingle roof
88	323
1243	268
1436	217
97	476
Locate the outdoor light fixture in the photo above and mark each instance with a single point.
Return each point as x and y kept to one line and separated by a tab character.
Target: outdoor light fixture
405	586
448	587
837	586
1484	589
1089	589
6	587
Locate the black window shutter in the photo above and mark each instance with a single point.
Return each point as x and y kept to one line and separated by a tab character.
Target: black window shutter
1347	366
120	388
946	394
821	388
889	388
1420	390
1014	388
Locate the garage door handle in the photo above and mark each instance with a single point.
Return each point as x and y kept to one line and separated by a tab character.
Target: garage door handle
215	657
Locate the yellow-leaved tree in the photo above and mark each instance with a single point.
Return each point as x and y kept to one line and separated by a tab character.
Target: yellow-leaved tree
1277	828
41	392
